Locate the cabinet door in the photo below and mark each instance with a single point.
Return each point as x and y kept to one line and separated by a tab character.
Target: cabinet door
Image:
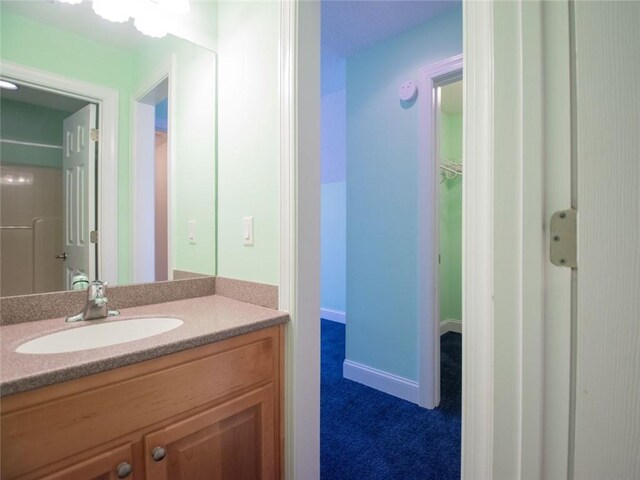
111	465
233	441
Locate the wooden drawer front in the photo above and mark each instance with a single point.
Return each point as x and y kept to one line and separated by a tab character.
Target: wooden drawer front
102	414
101	466
233	441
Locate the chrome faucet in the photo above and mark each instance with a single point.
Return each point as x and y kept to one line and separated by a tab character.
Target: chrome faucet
96	306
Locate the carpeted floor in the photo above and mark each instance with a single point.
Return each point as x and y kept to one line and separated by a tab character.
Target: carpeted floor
368	435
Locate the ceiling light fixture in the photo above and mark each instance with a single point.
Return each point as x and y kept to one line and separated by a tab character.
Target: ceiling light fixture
113	10
178	7
151	19
8	85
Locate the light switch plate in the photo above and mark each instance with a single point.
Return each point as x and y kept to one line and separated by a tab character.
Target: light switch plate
247	231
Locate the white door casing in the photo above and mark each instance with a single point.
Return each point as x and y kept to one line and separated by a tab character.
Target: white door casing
523	135
428	228
143	204
517	306
78	179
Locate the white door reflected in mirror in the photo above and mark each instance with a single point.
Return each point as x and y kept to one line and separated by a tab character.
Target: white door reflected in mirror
78	193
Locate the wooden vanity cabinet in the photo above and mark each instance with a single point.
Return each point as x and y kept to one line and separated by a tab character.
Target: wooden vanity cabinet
110	465
231	441
211	412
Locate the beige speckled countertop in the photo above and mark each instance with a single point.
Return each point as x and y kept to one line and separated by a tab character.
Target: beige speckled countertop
206	319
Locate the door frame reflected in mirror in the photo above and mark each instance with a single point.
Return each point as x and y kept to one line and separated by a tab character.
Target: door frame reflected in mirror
141	257
107	100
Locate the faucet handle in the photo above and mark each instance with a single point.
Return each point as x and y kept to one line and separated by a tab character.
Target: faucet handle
97	289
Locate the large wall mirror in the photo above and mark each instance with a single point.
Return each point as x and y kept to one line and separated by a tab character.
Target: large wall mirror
107	152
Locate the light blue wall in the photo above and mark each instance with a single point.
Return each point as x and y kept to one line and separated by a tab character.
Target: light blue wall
333	146
334	237
382	148
333	189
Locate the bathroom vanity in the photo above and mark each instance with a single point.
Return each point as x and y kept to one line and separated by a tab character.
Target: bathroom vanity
201	401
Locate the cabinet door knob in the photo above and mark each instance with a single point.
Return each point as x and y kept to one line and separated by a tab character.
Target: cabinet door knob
124	470
158	454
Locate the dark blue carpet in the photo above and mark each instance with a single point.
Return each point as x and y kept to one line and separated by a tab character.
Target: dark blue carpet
368	435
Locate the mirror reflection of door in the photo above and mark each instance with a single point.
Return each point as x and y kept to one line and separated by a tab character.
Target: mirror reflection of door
78	165
32	208
150	186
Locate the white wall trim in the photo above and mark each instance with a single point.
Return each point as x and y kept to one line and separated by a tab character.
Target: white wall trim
333	315
428	230
380	380
107	99
450	325
477	256
299	291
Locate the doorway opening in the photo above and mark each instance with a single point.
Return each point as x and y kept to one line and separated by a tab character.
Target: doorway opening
48	190
379	268
439	218
151	185
449	157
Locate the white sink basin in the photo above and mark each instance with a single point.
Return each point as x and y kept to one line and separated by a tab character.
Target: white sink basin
99	335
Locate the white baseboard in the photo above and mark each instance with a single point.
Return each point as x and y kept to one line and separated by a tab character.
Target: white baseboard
385	382
450	325
333	315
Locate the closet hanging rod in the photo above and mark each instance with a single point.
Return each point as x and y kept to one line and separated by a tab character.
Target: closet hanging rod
454	171
30	144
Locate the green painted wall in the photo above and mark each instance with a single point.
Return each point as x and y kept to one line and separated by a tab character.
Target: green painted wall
383	140
248	139
451	221
46	48
30	123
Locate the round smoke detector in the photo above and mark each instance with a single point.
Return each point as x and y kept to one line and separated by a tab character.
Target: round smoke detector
407	91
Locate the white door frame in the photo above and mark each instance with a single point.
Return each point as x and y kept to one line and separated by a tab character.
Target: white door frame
513	361
107	100
429	227
299	289
166	71
299	241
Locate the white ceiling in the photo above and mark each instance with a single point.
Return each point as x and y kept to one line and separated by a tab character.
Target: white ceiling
349	26
43	98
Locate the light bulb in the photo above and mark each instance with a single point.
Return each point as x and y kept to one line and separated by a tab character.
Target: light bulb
151	20
112	10
8	85
179	7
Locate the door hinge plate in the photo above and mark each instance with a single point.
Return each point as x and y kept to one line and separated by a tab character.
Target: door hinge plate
95	134
93	236
564	242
